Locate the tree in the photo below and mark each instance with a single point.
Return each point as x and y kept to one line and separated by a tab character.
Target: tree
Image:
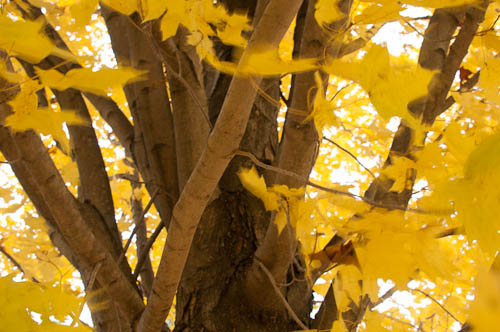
210	126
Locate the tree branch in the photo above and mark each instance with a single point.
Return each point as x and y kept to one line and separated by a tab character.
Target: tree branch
94	186
138	214
153	147
439	304
283	300
350	154
69	216
222	143
16	263
112	114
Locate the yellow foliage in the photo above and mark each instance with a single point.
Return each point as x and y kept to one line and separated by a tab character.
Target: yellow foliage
26	116
126	7
34	46
382	77
327	11
392	248
256	185
347	286
81	11
488	80
429	3
322	112
20	299
152	9
388	245
398	170
99	82
485	310
263	63
379	13
476	195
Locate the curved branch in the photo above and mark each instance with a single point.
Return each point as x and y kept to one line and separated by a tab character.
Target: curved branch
222	143
69	216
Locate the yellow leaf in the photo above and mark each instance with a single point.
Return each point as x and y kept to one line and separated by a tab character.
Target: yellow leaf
458	144
439	3
339	325
399	171
281	220
429	3
231	27
476	196
322	112
69	172
491	40
264	63
169	24
382	77
26	40
126	7
20	299
488	80
327	11
395	249
82	10
152	9
26	116
256	185
379	13
98	82
347	287
485	311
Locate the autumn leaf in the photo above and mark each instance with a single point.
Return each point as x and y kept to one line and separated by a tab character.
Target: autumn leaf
26	40
382	78
21	299
45	121
256	185
99	82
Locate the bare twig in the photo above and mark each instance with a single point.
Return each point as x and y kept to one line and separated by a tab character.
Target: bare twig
278	292
384	297
16	263
439	304
146	209
147	247
93	275
350	154
335	191
418	328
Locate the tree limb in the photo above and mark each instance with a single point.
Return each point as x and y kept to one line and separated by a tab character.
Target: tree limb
115	118
222	143
153	148
67	214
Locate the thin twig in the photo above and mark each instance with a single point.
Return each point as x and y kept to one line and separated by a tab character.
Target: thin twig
384	297
439	304
147	247
146	209
419	328
96	269
278	292
335	191
350	154
16	263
